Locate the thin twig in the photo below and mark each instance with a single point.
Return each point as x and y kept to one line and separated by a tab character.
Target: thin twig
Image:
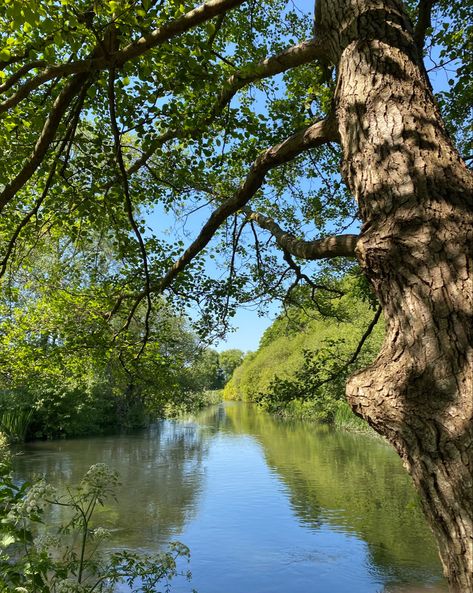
129	205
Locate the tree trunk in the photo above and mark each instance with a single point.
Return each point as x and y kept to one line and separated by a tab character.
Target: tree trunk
416	201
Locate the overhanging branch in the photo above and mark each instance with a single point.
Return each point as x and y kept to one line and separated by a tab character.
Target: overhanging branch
335	246
291	57
189	20
299	54
59	108
314	135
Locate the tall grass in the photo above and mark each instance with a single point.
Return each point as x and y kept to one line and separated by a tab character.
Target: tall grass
346	419
14	423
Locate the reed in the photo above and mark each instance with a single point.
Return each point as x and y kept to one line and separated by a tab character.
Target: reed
345	418
14	423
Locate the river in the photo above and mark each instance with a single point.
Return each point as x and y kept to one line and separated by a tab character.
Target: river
266	506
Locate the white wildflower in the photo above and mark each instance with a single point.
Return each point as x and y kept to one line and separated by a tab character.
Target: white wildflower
101	533
99	479
34	502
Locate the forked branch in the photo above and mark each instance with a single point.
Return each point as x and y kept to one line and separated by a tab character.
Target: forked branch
173	28
314	135
291	57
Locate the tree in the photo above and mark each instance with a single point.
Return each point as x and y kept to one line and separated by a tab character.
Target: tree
306	355
67	371
111	108
229	360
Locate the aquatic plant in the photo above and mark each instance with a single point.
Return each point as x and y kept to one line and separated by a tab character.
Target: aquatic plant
345	418
14	423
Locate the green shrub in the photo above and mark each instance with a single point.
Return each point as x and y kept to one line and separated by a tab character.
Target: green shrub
67	559
304	359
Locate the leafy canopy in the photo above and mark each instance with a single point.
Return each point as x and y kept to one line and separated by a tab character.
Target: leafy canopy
134	133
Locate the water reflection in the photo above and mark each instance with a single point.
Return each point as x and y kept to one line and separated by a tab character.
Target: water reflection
160	472
265	505
356	484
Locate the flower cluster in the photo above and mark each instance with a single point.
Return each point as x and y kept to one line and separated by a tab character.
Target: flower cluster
99	480
100	533
34	502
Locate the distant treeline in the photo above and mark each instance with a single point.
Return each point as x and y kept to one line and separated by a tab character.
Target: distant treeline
69	375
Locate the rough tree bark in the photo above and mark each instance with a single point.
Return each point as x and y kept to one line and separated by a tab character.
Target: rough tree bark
416	201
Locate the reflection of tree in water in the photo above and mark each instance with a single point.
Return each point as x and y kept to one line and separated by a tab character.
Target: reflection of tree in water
353	483
213	419
160	471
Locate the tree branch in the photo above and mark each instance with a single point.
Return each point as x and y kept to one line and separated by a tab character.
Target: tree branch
20	73
296	55
365	336
49	181
128	203
60	106
314	135
289	58
301	276
355	355
292	57
189	20
335	246
423	22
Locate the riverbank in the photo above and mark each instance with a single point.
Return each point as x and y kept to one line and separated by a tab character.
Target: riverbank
17	423
337	414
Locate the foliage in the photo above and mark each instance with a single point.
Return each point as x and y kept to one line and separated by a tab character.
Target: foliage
229	360
66	371
346	419
38	558
88	246
453	34
120	121
185	144
304	358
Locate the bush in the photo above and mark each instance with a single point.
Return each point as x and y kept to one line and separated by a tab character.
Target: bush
302	364
44	560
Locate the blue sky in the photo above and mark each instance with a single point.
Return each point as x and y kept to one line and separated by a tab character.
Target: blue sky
248	324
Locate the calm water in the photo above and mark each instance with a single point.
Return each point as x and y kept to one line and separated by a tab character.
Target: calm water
265	506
